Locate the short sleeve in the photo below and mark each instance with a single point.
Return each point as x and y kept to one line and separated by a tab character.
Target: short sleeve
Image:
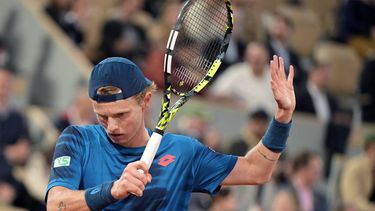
210	168
67	162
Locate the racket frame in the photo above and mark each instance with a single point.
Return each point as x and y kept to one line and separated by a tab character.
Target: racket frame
166	113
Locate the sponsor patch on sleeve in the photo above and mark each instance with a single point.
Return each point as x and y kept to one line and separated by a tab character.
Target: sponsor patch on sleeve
61	161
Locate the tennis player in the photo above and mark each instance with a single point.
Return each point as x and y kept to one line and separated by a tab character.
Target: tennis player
96	167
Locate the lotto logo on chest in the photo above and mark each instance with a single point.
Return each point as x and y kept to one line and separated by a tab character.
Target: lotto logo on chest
166	160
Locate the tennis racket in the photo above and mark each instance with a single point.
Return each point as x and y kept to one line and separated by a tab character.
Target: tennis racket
195	49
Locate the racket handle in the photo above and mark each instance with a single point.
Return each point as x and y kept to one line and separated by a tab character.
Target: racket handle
151	149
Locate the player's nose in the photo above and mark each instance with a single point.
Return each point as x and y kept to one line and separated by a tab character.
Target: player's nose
112	125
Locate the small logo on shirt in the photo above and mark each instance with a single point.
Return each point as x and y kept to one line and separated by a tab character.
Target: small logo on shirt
61	161
166	160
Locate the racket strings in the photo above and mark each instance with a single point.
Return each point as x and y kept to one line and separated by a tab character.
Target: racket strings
199	42
204	32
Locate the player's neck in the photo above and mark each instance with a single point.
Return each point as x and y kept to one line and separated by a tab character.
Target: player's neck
140	139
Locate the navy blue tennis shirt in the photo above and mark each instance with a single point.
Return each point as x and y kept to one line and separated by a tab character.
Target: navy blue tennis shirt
86	157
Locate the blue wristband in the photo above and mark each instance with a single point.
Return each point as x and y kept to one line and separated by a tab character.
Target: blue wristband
276	135
100	196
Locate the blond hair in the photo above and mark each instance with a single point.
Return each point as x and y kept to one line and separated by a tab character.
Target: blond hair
111	90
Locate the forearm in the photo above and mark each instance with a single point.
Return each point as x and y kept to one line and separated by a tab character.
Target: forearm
63	199
258	164
263	161
267	152
253	168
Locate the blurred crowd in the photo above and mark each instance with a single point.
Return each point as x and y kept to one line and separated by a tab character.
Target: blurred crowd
331	44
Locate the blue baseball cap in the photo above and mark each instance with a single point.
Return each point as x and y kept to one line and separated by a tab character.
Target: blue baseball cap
120	73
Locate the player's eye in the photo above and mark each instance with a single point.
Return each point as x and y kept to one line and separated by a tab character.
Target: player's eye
120	115
102	118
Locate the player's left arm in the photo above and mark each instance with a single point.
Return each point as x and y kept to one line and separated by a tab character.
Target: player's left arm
257	165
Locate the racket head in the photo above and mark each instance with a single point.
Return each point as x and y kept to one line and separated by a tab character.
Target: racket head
197	45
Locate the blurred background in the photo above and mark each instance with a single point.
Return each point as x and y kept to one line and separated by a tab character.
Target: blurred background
48	47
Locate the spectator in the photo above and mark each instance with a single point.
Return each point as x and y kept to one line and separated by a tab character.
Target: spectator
247	83
159	33
224	201
248	27
314	98
196	123
302	194
124	35
358	26
15	148
251	134
367	91
249	17
7	190
6	58
279	34
79	113
14	141
66	15
257	197
357	183
155	7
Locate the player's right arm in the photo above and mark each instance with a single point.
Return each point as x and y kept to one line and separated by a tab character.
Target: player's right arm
61	198
131	182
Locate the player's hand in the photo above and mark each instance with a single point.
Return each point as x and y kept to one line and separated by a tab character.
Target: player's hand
283	90
131	181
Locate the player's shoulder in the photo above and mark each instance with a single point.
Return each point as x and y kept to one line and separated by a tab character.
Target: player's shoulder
81	133
180	140
178	137
79	129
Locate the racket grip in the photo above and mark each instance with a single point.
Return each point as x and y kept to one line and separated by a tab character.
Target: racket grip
151	149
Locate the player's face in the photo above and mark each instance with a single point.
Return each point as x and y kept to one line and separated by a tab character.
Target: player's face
123	121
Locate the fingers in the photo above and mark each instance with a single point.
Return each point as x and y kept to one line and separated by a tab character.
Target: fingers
273	87
134	187
132	181
139	171
273	69
149	178
291	75
139	165
281	68
278	70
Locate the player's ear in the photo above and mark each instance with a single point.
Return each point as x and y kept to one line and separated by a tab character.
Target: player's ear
147	100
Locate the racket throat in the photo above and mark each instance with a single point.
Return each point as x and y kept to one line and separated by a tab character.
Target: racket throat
158	131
